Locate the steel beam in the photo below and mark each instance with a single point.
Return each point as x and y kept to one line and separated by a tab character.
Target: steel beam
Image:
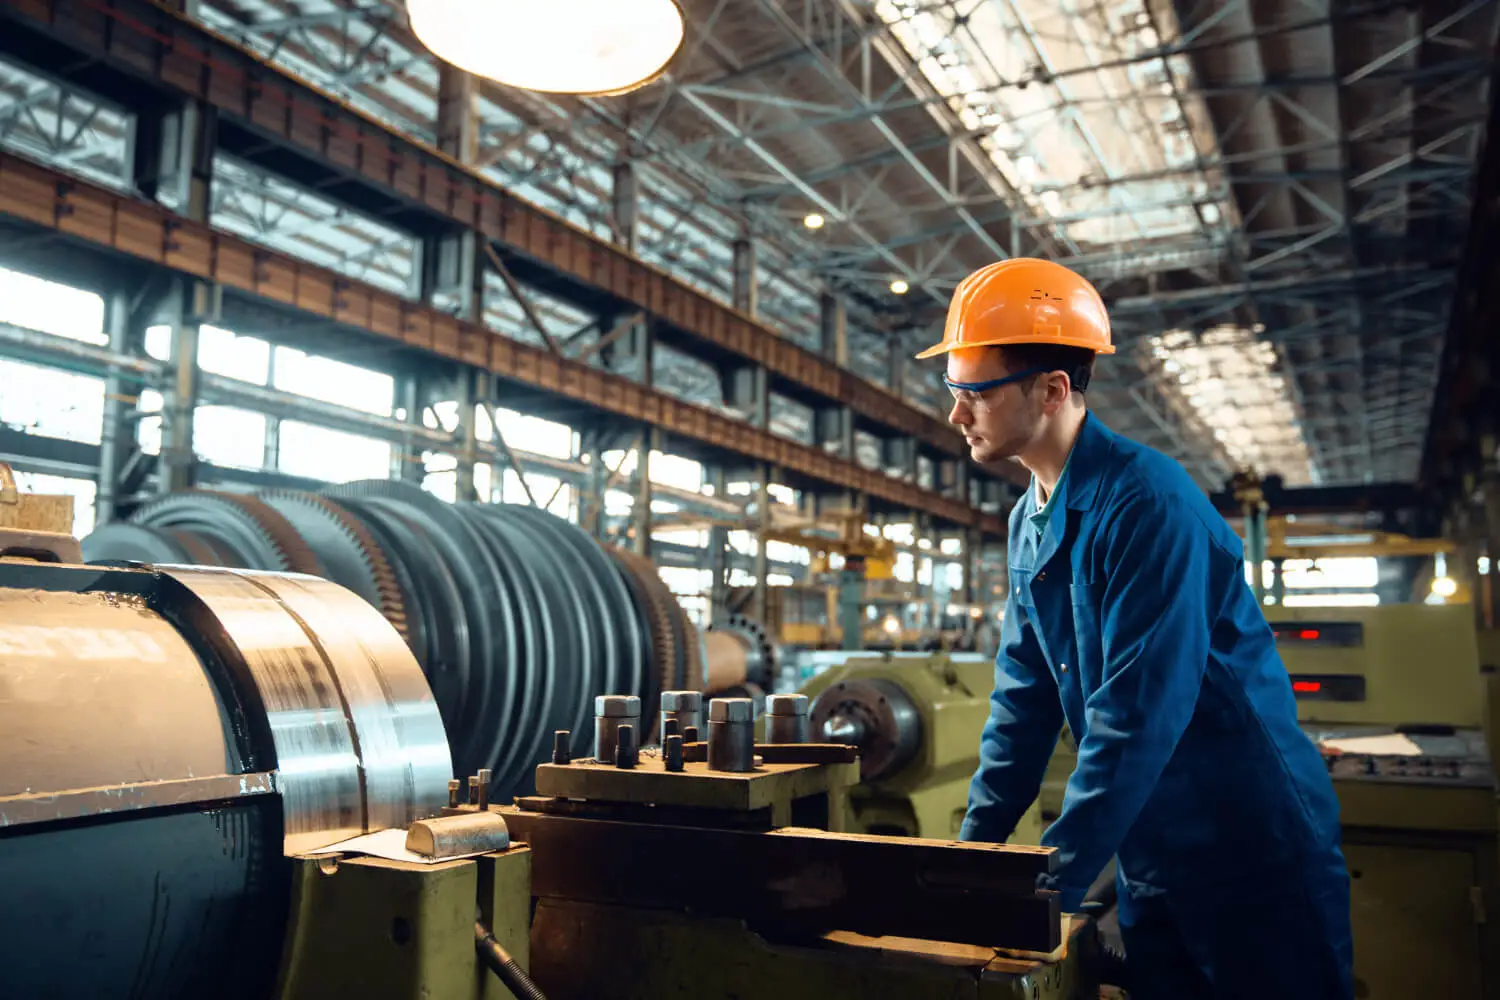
93	216
418	183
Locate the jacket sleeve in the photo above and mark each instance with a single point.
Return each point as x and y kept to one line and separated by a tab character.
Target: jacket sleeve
1019	736
1155	625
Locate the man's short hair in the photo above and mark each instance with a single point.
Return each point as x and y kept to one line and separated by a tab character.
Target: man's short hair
1076	362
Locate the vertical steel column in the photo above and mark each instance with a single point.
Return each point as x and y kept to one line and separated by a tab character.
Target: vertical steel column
1246	487
457	113
625	205
718	553
748	390
896	367
189	305
746	285
900	456
470	388
762	561
833	331
406	456
453	263
591	499
117	434
640	513
852	603
271	449
172	163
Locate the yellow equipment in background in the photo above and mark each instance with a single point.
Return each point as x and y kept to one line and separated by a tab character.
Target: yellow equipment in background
1396	698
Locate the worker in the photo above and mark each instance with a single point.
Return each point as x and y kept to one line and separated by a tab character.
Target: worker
1128	615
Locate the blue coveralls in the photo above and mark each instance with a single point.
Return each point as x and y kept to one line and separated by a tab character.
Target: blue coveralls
1130	617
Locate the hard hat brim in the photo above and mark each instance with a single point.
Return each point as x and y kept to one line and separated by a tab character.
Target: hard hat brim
943	347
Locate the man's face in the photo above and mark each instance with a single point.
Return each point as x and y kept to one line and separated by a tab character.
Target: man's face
1002	422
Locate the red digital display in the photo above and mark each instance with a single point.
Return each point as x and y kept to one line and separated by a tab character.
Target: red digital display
1328	687
1346	634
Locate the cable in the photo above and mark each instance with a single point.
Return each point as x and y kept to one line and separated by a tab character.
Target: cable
503	966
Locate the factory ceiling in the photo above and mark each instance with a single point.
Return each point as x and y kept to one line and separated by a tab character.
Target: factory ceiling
1273	196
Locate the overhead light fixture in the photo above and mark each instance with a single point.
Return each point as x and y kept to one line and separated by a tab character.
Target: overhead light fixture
584	47
900	287
813	221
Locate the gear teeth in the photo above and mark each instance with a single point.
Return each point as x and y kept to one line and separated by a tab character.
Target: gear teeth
291	552
393	601
660	606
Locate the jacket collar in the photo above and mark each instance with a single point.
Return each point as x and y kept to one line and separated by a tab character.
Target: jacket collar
1087	463
1079	487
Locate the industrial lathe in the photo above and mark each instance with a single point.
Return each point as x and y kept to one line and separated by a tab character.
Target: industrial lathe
220	782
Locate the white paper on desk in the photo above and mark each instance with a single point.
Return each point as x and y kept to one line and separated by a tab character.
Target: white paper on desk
389	844
1385	745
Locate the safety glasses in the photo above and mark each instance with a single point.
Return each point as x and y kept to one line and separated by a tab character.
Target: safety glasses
971	394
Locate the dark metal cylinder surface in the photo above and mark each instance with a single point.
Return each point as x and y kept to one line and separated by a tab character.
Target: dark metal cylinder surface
731	734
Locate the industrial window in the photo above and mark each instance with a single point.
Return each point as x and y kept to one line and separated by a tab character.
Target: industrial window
338	457
229	436
51	403
334	381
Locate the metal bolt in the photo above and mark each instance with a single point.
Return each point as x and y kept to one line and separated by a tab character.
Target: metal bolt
611	711
453	786
672	753
684	706
617	705
625	747
561	752
473	789
485	775
670	727
731	734
787	718
731	710
690	734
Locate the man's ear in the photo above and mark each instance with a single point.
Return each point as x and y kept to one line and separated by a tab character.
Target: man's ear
1059	387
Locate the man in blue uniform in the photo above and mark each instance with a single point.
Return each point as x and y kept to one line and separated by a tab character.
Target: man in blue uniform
1129	617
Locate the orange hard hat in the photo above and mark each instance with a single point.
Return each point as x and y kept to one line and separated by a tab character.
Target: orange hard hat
1025	301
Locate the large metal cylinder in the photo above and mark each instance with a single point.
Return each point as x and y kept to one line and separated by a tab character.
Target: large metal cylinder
167	738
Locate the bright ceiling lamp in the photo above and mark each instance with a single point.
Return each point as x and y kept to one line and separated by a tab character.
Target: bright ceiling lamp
584	47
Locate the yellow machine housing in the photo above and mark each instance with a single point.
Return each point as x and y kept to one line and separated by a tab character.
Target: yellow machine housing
1419	828
928	795
1397	664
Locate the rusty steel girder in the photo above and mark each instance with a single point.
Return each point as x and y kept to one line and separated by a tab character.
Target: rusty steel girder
150	232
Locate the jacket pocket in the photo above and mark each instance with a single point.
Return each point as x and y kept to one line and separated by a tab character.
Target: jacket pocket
1086	635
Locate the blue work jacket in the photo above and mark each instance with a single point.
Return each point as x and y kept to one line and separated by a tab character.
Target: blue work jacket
1131	618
